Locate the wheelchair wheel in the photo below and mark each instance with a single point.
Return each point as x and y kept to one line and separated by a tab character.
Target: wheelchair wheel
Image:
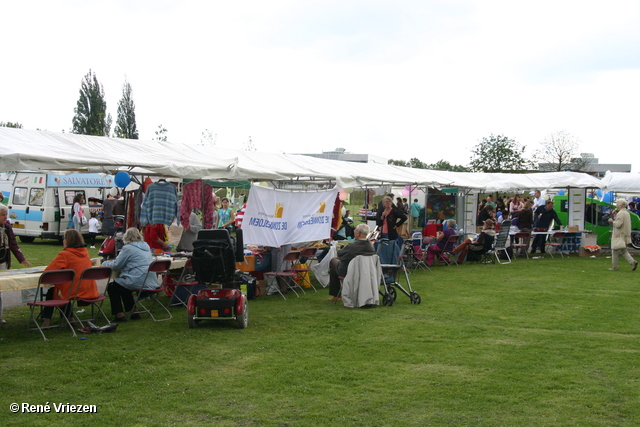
415	298
392	292
387	300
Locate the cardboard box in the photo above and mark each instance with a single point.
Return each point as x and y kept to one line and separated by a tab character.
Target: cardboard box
587	253
249	263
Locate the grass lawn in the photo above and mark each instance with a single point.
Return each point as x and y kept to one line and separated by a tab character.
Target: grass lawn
548	342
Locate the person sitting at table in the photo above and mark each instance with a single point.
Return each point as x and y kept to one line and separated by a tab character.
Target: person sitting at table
338	266
388	219
442	238
542	219
133	262
8	246
463	248
74	257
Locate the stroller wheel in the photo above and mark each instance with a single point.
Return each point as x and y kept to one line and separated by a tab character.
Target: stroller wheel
193	323
392	292
387	300
415	298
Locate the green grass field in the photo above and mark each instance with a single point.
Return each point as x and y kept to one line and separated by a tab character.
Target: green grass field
548	342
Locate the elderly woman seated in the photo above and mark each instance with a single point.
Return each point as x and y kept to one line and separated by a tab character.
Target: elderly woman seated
463	248
442	238
133	262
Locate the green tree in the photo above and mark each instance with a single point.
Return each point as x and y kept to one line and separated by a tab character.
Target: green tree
559	152
126	122
398	162
497	153
91	110
443	165
161	134
11	125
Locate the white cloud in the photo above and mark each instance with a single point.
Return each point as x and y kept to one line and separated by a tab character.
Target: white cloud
425	79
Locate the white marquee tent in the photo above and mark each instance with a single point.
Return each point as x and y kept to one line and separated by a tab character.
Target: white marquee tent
621	182
42	150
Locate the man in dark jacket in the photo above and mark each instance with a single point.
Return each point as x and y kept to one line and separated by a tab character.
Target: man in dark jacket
542	219
338	266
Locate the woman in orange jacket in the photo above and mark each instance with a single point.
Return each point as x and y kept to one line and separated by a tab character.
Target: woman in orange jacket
75	257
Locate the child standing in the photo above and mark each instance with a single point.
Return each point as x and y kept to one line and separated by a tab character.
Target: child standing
94	226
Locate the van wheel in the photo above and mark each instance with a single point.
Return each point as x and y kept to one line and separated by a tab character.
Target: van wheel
27	239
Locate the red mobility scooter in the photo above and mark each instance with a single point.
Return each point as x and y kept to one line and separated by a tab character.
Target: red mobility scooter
215	253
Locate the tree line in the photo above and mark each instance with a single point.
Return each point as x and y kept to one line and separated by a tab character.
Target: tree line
499	153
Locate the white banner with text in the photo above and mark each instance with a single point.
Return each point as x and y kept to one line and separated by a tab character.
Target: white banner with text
279	217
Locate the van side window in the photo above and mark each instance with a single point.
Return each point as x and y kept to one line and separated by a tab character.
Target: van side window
20	196
70	194
36	196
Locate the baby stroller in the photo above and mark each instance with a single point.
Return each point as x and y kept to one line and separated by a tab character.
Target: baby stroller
215	253
112	245
391	258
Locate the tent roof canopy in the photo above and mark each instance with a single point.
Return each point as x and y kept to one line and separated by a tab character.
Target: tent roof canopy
41	150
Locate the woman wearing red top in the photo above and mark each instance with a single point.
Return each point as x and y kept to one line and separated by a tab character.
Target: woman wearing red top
75	257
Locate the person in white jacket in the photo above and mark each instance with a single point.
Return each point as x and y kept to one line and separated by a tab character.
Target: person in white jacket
621	235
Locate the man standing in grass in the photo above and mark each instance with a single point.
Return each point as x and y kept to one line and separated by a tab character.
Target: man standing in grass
621	235
338	266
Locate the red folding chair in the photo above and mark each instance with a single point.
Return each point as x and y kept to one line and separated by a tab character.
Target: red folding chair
52	278
523	243
288	276
95	273
156	267
186	282
555	243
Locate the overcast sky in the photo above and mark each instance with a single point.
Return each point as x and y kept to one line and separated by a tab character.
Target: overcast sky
397	79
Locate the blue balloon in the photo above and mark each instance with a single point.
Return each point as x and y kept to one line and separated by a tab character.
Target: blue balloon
122	179
599	192
608	198
560	192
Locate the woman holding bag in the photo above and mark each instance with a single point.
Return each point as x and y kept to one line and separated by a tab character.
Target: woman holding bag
78	213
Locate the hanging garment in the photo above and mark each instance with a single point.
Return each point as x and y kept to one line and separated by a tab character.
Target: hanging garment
194	196
160	204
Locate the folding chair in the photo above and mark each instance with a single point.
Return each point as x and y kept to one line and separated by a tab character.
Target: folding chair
288	276
501	239
447	255
523	243
183	287
308	253
156	267
52	278
95	273
555	243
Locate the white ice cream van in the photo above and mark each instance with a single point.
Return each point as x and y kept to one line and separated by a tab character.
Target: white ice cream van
41	204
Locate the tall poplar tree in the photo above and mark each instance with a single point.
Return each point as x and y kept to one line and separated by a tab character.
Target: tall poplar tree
126	121
91	110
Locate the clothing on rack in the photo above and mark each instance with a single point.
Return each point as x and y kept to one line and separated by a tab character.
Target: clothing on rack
195	196
160	204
